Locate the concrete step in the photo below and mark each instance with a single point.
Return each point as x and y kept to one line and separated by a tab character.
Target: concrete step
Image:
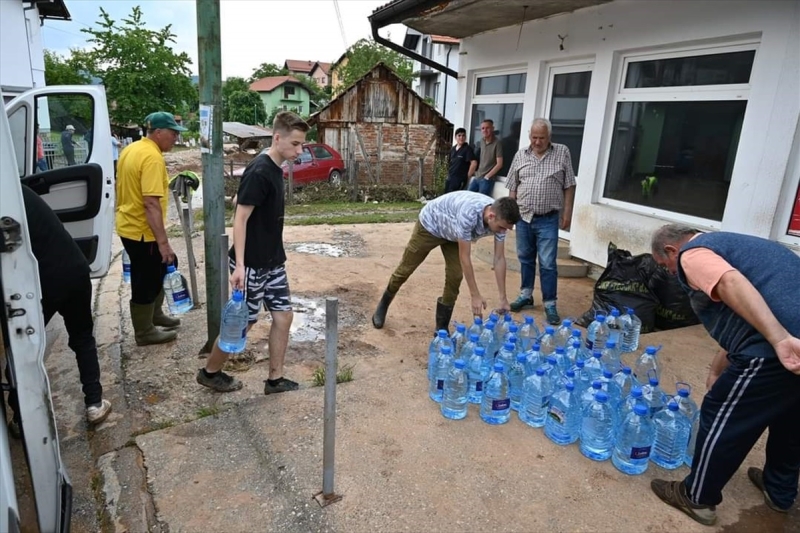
567	266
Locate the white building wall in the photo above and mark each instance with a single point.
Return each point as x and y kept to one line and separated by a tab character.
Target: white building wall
447	98
601	35
21	49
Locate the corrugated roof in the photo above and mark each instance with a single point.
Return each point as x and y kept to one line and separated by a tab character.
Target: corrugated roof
300	65
245	131
270	83
444	39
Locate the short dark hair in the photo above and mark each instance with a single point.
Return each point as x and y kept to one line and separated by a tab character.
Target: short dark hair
506	209
286	122
459	131
488	121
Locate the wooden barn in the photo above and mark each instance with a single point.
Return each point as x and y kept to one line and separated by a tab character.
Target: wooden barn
386	127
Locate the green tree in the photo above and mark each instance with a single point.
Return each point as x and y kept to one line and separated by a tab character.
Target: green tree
266	70
364	55
319	95
246	107
139	68
64	71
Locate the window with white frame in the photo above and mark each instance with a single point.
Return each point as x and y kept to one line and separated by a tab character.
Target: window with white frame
678	118
499	97
565	107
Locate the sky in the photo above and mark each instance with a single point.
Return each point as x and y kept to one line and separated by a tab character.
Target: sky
252	31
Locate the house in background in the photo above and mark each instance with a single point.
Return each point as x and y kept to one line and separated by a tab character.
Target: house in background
702	96
336	79
283	92
21	48
386	127
320	73
302	66
430	83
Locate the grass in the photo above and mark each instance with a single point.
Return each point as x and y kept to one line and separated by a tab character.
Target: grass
364	218
344	375
208	411
346	207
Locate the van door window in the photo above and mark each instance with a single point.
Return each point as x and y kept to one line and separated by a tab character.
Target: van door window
18	122
65	124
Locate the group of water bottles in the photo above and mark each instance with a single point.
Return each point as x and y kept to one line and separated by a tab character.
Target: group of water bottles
576	389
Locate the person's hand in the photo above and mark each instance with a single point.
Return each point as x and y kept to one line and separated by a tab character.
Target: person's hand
788	351
711	379
504	306
566	220
237	278
167	253
478	304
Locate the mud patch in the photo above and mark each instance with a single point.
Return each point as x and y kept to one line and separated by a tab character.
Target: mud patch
345	244
319	248
309	320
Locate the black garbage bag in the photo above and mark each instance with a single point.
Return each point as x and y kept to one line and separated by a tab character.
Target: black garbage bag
625	283
674	308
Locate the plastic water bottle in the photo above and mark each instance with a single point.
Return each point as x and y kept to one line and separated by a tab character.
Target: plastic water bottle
547	344
507	355
563	333
126	266
594	365
496	403
175	292
477	326
626	323
632	336
597	333
233	330
513	333
528	333
562	361
563	422
689	409
612	390
469	347
454	398
614	326
533	359
582	379
634	442
573	351
630	401
646	362
504	325
536	398
597	429
611	357
488	340
587	396
654	397
577	336
672	435
441	369
459	338
516	378
560	381
624	379
441	339
477	372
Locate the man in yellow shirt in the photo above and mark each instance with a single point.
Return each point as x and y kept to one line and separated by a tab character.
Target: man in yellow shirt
142	193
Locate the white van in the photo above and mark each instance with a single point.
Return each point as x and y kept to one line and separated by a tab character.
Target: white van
79	187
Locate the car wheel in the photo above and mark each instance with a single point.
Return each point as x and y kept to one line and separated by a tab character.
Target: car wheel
335	178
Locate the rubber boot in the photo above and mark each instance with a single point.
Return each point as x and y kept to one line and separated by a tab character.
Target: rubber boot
383	306
145	332
159	318
443	315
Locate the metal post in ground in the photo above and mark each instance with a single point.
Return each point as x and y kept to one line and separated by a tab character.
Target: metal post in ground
328	496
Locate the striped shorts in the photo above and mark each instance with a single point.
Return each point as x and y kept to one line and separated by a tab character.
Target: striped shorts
267	287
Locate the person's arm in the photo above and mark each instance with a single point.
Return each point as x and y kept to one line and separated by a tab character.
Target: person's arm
566	213
495	169
736	291
512	181
155	219
473	166
718	366
477	303
500	274
240	218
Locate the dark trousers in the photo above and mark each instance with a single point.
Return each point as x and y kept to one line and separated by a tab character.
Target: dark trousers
753	394
454	183
147	270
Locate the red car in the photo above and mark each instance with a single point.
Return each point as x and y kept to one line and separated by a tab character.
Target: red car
318	162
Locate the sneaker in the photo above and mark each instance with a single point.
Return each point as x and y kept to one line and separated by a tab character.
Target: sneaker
282	385
521	303
98	412
220	381
674	493
756	475
551	315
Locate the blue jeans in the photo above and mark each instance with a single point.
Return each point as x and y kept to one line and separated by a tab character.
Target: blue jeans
482	186
539	237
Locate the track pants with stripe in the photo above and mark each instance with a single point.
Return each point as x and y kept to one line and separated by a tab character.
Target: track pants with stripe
751	395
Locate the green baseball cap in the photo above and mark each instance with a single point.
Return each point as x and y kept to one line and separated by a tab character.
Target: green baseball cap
162	120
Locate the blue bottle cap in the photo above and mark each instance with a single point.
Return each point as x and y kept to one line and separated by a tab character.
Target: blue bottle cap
512	339
521	357
683	393
570	373
442	333
601	396
576	344
560	349
237	295
459	363
650	350
640	409
672	406
498	367
614	311
579	363
636	391
489	325
513	328
540	371
536	347
626	370
461	328
528	319
570	386
576	333
549	330
607	373
447	350
509	346
611	344
478	320
600	318
170	269
653	382
597	385
552	360
474	337
507	317
480	351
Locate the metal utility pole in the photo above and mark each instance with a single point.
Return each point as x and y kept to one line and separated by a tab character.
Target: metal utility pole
210	63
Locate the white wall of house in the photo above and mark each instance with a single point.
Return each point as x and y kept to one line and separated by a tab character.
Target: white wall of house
764	178
440	87
21	50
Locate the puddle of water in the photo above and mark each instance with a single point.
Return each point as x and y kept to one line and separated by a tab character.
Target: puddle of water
319	248
308	324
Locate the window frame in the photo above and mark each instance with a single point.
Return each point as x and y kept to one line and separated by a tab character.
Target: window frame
693	93
480	99
789	192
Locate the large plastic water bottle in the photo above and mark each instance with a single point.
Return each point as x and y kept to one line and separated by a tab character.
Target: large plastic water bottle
630	402
634	442
582	379
488	340
233	330
624	379
507	355
563	421
597	429
477	326
496	403
175	292
126	266
631	343
573	351
441	368
454	398
533	359
469	347
536	398
528	333
614	326
562	361
587	396
654	397
547	344
612	389
504	325
516	377
597	333
594	365
611	357
672	435
563	333
626	323
513	331
459	338
646	362
477	372
689	409
441	339
560	381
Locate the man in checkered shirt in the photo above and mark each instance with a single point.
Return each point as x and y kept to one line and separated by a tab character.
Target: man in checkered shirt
542	181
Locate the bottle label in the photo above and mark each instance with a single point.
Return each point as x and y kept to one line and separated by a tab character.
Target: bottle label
126	268
589	344
244	332
642	452
180	295
439	384
479	386
545	401
501	405
557	415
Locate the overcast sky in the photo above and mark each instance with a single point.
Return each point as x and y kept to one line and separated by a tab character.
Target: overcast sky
253	31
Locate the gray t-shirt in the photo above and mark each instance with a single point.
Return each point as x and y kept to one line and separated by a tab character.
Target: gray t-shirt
488	156
457	216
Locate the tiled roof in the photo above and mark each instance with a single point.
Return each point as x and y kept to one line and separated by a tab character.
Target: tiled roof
444	39
270	83
299	65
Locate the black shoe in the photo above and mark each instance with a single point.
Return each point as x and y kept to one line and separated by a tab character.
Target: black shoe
756	476
379	317
279	385
220	381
